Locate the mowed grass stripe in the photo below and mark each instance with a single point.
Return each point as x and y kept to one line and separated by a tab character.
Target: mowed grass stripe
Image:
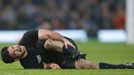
96	52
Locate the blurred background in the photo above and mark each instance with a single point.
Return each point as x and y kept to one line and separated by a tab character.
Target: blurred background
88	15
105	26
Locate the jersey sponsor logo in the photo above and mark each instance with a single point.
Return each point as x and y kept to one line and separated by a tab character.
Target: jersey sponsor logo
38	58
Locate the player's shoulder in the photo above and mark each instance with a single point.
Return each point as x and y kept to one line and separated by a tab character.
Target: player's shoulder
31	32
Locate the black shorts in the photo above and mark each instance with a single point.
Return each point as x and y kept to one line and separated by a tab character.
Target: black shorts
64	60
67	61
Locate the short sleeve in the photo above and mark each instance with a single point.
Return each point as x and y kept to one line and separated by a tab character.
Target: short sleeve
29	38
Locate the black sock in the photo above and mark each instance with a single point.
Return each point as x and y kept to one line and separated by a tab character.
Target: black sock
69	49
111	66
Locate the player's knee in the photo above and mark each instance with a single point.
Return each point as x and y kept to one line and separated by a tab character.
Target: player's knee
51	44
48	43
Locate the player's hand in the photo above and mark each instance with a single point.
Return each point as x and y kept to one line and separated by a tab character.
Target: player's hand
53	66
68	43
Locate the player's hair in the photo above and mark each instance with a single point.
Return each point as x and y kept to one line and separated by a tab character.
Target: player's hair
6	58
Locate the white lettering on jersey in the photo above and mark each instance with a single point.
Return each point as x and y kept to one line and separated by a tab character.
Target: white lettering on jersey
38	58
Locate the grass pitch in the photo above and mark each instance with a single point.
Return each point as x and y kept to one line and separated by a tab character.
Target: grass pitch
114	53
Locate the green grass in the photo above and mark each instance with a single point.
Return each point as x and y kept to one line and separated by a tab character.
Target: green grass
114	53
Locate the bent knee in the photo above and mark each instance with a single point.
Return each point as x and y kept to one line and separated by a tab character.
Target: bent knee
48	43
51	44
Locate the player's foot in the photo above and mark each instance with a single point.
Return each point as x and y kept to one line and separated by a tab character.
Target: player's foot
129	65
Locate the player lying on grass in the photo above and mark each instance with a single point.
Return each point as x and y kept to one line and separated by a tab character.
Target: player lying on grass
40	49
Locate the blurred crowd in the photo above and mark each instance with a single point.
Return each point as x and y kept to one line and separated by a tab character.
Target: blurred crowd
90	15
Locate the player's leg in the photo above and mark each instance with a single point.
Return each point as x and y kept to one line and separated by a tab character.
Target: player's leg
82	63
54	45
59	46
85	64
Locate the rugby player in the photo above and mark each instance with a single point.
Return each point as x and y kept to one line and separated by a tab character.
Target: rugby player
40	49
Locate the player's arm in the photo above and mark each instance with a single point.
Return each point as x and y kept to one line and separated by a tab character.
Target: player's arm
47	34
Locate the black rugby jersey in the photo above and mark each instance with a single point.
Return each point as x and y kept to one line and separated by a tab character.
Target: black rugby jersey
37	54
34	59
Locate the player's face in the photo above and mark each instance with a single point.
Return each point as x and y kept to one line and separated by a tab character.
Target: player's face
16	51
